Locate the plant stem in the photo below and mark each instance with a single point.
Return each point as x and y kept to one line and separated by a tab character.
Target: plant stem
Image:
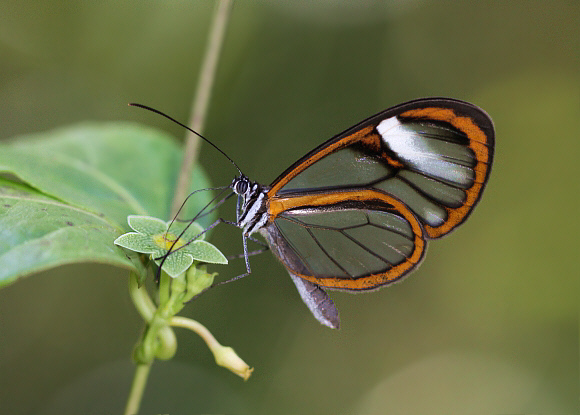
201	99
164	288
137	388
196	327
141	299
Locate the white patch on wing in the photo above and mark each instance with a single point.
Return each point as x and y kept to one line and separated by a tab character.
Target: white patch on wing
386	125
413	148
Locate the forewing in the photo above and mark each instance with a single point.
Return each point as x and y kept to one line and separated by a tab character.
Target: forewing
434	155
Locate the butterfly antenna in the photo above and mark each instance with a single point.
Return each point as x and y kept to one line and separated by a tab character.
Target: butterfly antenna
133	104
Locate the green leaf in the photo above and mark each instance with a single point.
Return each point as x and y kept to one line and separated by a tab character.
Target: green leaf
146	224
38	232
203	251
79	186
114	169
137	242
176	263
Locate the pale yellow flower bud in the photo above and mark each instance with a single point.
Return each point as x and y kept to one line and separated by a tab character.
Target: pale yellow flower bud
228	358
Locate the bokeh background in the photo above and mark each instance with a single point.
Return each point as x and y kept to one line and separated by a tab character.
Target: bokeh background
488	324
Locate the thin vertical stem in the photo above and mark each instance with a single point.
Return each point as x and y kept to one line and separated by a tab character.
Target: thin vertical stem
202	98
137	388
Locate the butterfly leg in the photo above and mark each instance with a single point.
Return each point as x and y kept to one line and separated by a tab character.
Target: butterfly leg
265	247
247	260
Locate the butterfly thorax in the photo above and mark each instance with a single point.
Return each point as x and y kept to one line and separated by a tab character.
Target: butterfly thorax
252	210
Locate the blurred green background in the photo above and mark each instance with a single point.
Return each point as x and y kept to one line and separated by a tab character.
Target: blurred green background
488	324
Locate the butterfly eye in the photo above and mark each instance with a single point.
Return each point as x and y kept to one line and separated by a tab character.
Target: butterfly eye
241	187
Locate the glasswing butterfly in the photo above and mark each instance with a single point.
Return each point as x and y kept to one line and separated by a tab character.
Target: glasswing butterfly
355	213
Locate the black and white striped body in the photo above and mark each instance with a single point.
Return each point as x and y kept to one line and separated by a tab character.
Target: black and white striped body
252	210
